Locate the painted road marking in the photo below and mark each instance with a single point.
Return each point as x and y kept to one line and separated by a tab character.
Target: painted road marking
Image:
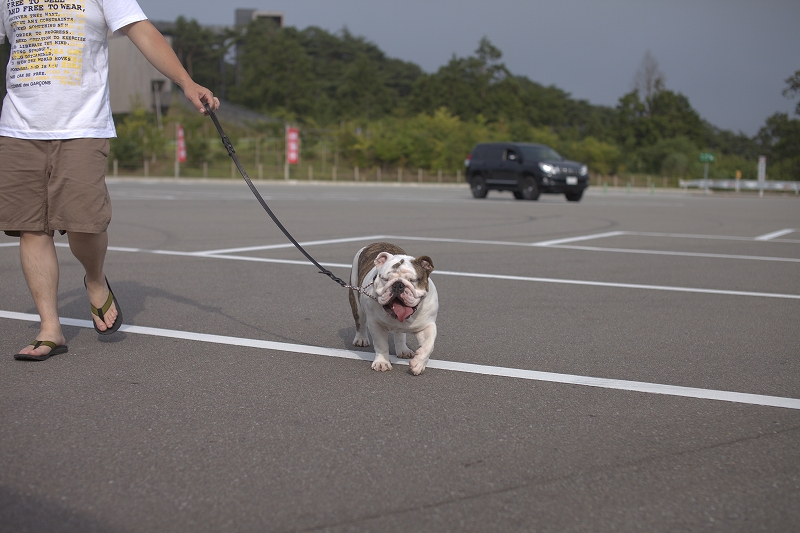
580	238
623	285
290	245
775	234
518	373
679	254
589	283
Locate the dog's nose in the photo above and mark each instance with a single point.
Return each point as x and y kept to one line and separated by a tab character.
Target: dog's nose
398	286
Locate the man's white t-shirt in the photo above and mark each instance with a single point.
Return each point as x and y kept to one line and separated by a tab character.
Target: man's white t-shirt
57	77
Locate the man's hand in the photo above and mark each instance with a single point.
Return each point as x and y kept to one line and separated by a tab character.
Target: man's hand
199	95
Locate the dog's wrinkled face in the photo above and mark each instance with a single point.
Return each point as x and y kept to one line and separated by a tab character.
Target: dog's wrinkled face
402	282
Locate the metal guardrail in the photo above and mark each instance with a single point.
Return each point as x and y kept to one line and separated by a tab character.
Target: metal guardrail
743	185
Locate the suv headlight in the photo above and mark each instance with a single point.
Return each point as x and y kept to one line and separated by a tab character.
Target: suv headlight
584	170
547	168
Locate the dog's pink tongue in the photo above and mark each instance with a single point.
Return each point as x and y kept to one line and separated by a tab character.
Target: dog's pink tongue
401	310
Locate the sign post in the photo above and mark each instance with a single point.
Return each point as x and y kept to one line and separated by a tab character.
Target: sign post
706	157
292	149
762	174
180	149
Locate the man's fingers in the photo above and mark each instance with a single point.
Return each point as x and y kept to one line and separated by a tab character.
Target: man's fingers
212	101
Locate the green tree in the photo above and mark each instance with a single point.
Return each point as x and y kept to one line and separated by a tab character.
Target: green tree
664	115
793	89
337	62
779	139
465	86
137	139
201	50
362	93
599	156
276	72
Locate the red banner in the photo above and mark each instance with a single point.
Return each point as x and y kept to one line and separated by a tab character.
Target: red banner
181	149
292	146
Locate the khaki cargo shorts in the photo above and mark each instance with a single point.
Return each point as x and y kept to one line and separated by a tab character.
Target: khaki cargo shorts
54	185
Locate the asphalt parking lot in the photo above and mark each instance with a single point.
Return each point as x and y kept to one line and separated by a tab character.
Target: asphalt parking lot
627	363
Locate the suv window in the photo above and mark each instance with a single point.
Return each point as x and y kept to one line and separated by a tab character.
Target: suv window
540	153
493	152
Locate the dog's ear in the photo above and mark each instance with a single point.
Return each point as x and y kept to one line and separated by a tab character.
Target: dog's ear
382	258
425	262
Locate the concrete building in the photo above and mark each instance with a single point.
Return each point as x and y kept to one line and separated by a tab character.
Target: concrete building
245	16
135	82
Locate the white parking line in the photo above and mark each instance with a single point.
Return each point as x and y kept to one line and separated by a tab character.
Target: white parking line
590	283
290	245
684	254
623	285
580	238
518	373
775	234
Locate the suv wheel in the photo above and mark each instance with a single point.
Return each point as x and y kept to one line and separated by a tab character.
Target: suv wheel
573	196
517	195
478	186
529	189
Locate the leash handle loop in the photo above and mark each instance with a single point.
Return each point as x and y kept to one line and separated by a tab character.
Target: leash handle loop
232	153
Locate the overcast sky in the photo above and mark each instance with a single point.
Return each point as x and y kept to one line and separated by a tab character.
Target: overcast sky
729	57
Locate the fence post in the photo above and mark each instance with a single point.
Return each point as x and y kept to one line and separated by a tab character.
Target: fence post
333	172
116	168
310	172
419	175
260	170
205	169
379	173
146	168
439	177
458	176
355	173
399	174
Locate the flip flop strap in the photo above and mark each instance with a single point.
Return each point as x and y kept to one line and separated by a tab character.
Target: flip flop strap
100	313
38	343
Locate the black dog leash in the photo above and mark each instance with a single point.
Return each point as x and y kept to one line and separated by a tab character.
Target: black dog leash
232	153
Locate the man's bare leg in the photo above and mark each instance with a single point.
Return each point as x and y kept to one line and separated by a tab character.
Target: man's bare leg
40	265
90	250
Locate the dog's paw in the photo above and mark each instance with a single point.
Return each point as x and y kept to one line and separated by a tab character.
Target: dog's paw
405	353
417	366
381	366
361	341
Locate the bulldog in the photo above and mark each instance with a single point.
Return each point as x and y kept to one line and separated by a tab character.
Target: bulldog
396	295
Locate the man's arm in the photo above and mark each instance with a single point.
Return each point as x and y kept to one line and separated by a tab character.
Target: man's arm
160	54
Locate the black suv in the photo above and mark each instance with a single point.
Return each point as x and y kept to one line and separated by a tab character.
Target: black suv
524	169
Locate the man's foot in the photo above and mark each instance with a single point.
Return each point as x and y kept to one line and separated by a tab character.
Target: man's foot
104	305
40	350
